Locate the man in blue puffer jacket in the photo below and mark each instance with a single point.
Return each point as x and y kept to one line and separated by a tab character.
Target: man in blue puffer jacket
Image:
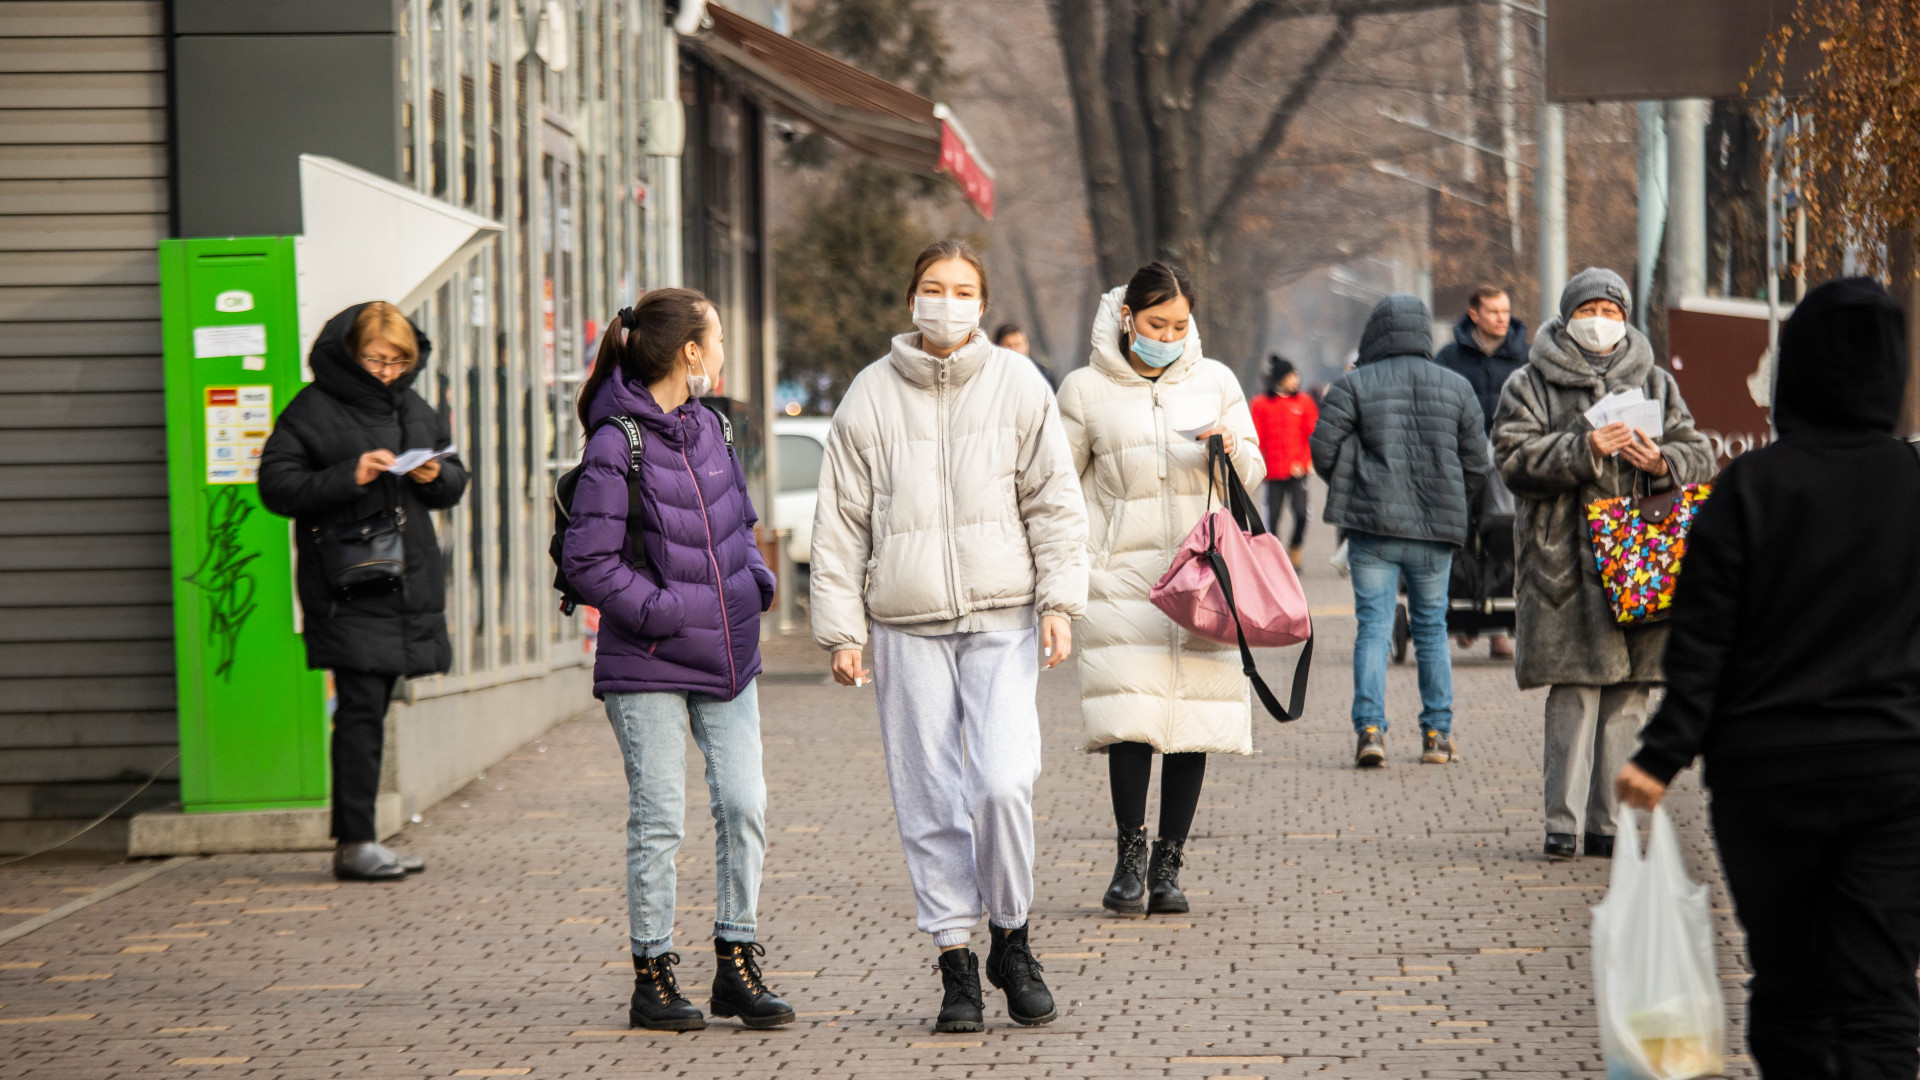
1402	446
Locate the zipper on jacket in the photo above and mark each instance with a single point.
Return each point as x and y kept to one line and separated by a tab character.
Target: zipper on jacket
946	494
1167	545
719	586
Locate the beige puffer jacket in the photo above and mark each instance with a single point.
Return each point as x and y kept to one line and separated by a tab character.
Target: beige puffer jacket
1142	677
947	489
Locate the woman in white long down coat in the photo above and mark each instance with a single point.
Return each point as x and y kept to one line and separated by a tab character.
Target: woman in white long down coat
1137	418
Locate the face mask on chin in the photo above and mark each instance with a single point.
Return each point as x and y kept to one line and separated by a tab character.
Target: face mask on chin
945	323
1596	334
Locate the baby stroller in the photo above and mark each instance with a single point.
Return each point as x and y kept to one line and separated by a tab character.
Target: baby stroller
1480	595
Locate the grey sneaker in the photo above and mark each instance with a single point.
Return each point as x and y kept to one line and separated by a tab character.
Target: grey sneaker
1436	748
366	862
1371	753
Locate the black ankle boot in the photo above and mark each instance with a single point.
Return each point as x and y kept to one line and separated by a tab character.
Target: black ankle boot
1163	873
738	989
657	1004
1127	893
960	977
1011	967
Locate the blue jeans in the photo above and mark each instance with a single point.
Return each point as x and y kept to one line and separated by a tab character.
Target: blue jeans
652	729
1378	563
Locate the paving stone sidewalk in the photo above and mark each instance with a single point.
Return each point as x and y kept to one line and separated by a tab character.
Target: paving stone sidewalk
1395	923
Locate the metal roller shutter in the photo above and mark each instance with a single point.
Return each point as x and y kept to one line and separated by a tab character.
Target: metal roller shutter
86	655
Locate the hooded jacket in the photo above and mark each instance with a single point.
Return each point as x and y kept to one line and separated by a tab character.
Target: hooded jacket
1400	440
1486	374
307	474
1566	629
1794	653
690	619
947	498
1142	677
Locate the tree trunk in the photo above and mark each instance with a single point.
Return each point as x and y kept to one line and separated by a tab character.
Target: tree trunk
1109	200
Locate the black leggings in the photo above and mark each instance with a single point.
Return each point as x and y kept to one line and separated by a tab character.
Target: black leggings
1129	766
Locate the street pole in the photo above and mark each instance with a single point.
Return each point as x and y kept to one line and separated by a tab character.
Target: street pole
1653	203
1509	139
1550	194
1686	199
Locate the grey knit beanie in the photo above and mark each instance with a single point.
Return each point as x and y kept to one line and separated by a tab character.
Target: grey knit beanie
1594	283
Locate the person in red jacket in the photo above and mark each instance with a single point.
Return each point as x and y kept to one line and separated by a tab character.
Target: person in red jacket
1284	418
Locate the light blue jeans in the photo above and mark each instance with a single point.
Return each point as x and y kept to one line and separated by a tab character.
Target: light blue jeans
652	729
1378	563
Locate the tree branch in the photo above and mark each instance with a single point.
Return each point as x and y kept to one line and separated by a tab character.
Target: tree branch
1226	46
1251	163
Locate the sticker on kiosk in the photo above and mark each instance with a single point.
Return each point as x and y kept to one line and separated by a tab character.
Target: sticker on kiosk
239	419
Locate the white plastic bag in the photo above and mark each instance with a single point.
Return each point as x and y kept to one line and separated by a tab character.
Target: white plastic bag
1661	1013
1339	561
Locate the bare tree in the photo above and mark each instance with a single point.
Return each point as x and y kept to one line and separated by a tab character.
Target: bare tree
1146	78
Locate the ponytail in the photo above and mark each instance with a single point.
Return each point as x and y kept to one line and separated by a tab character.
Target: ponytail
642	341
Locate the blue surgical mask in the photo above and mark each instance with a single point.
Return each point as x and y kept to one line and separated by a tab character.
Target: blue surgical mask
1157	354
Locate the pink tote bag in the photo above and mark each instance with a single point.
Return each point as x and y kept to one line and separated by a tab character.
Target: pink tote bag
1231	582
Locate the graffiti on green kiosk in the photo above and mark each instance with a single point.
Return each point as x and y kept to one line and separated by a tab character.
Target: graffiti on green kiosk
222	575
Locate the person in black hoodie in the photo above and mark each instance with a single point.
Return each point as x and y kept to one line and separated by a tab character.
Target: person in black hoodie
1793	669
325	466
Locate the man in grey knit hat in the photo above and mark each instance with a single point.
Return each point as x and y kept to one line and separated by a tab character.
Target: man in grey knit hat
1556	463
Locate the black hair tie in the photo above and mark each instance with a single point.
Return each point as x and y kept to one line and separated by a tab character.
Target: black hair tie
628	320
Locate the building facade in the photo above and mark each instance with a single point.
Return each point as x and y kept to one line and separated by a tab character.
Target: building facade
618	145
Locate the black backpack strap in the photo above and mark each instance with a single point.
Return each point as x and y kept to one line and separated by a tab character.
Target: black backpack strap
634	439
726	426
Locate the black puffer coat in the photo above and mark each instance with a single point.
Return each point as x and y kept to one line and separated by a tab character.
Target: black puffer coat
1400	442
306	473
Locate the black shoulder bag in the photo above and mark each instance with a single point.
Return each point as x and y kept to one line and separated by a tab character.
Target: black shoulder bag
367	557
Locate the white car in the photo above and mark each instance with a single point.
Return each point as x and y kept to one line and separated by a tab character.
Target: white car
803	444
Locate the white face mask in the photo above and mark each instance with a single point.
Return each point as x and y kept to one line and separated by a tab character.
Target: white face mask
1598	334
700	385
943	322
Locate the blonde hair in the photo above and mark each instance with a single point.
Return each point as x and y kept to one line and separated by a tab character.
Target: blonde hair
384	321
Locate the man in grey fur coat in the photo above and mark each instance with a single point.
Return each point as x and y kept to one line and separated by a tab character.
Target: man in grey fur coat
1556	463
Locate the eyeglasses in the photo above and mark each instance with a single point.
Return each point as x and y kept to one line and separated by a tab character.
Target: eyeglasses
374	363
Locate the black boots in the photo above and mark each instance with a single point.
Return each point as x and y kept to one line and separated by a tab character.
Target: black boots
1011	967
1163	874
657	1003
960	1009
738	989
1560	846
1127	893
1598	846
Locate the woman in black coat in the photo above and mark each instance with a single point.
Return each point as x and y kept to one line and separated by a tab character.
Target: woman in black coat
326	466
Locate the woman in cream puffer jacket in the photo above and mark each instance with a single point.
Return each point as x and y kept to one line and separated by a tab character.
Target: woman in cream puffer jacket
1146	684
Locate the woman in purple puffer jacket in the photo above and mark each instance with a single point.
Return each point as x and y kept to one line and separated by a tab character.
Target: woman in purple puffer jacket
679	640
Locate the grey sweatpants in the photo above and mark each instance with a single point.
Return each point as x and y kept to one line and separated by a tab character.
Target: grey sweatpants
1591	732
962	739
